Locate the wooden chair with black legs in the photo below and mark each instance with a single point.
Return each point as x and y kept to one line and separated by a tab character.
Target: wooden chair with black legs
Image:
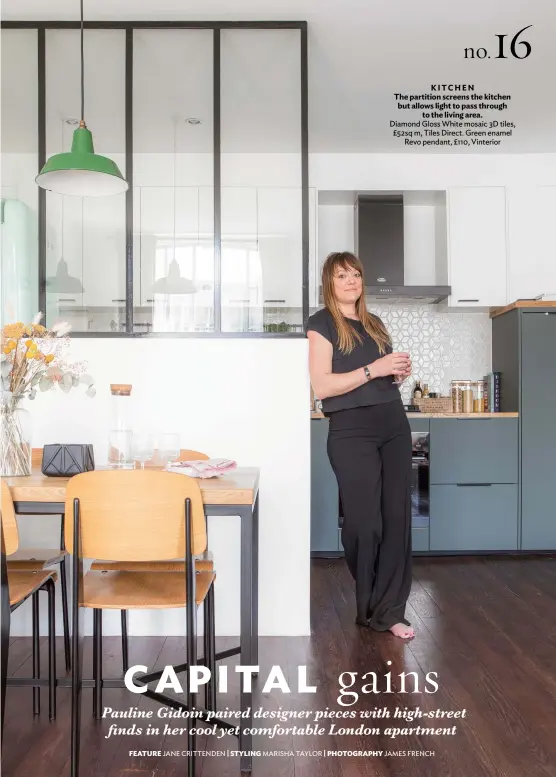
38	559
142	516
22	586
205	564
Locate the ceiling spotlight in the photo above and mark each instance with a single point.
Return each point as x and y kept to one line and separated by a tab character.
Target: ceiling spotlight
193	121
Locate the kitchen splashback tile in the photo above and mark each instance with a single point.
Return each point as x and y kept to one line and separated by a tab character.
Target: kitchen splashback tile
445	343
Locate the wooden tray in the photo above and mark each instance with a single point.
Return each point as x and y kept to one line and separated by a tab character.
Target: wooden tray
434	404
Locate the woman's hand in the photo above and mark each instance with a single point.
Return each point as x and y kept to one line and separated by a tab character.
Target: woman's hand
392	364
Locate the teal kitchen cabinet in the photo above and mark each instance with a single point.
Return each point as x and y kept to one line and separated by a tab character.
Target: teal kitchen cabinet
325	502
473	484
524	352
473	450
473	517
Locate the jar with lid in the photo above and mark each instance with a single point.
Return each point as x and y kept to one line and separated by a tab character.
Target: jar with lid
458	387
479	401
120	454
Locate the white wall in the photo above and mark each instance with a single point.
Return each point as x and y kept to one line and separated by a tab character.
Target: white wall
243	399
428	171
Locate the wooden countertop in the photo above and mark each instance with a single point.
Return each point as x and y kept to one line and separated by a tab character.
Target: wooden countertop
445	415
523	303
462	415
238	488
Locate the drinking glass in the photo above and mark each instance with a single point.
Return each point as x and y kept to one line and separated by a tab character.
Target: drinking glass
120	449
169	447
143	448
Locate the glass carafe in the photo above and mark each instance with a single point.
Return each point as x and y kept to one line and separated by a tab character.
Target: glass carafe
120	446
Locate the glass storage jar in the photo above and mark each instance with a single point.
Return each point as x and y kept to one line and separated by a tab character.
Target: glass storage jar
120	448
458	387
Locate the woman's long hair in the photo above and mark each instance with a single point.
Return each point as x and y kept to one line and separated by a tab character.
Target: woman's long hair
347	335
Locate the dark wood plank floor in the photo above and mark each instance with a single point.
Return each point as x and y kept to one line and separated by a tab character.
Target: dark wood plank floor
486	626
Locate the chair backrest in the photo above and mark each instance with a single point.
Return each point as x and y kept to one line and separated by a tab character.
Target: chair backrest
186	455
135	515
9	522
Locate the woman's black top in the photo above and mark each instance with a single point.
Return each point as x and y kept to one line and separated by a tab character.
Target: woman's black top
373	392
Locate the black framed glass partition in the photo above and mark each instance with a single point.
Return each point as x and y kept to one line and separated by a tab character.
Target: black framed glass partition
85	236
208	123
19	203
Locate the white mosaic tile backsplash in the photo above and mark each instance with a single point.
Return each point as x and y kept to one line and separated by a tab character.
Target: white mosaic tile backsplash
445	343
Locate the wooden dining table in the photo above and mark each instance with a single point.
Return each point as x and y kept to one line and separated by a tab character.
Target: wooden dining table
236	493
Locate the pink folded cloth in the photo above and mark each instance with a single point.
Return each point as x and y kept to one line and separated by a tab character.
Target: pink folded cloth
206	468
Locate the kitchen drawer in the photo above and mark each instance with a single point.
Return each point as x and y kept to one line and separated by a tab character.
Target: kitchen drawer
481	450
420	538
473	517
419	424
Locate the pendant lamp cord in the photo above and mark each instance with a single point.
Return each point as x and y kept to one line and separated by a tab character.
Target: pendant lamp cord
82	70
174	182
62	198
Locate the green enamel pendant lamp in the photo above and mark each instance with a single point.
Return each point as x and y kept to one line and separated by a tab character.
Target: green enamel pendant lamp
81	172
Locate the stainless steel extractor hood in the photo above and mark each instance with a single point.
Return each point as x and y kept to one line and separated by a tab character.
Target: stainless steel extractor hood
379	243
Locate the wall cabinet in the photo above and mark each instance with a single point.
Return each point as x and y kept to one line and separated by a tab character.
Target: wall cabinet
64	241
166	221
104	252
532	248
477	246
279	231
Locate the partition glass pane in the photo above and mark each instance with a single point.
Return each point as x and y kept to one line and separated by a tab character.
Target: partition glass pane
173	211
85	237
19	274
261	180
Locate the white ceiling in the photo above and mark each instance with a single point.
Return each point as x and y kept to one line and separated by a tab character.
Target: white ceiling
362	51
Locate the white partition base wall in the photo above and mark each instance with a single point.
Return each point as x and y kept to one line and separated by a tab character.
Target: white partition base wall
243	399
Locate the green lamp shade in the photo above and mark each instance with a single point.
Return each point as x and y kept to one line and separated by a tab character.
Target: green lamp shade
81	172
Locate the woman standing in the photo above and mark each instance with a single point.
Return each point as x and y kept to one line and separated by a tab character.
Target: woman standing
356	375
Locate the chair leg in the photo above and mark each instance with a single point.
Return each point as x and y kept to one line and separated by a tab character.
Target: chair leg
76	646
210	649
65	612
76	680
5	630
97	663
51	591
36	654
125	646
95	646
191	661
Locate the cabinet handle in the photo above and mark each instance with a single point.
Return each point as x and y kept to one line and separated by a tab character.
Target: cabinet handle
468	300
474	484
66	299
275	300
118	300
150	300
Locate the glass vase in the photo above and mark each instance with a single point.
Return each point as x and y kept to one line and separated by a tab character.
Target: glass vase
15	437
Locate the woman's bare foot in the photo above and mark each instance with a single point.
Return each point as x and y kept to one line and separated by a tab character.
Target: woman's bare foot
403	631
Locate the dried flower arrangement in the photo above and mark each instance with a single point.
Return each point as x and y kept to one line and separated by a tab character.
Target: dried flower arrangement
31	359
